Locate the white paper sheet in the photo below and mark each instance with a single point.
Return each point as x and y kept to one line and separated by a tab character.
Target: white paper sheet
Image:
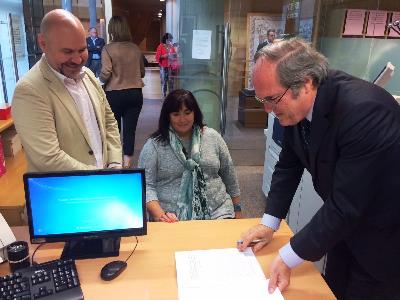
221	274
201	44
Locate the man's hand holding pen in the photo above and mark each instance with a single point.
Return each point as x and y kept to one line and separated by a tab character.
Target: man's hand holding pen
256	237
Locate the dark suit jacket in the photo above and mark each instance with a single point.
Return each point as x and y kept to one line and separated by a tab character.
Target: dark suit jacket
354	161
93	48
262	45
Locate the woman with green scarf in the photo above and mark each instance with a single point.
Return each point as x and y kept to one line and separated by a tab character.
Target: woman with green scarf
189	171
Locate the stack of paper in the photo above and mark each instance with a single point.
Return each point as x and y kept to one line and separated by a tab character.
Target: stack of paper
221	274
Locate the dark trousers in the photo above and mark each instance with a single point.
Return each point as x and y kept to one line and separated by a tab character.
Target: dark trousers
349	281
126	105
95	66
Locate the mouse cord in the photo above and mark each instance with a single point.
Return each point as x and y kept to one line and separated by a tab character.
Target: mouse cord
33	255
137	242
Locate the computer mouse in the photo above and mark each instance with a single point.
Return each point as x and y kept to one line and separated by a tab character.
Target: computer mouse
112	269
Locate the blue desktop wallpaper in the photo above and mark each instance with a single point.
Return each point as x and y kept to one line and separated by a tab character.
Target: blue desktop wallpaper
86	203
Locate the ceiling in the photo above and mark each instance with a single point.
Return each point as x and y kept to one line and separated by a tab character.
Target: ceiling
147	6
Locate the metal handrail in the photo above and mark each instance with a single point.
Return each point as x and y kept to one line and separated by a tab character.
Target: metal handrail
224	86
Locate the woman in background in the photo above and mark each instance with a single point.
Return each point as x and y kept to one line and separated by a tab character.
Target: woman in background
165	54
189	171
175	63
122	72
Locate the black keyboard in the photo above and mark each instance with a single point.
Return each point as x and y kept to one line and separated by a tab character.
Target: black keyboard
57	279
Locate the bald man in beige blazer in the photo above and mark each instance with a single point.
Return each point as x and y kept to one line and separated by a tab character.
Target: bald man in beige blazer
53	130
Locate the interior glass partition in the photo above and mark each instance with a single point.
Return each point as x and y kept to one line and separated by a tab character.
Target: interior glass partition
13	52
219	30
201	45
365	54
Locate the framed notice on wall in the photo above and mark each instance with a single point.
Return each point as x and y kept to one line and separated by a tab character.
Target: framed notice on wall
257	27
354	22
305	29
377	21
201	44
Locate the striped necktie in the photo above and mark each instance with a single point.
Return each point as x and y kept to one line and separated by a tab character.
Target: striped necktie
305	128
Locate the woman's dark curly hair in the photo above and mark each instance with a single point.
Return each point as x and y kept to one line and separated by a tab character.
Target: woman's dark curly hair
174	103
165	37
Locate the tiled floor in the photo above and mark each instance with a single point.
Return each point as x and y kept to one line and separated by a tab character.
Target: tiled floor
152	88
246	145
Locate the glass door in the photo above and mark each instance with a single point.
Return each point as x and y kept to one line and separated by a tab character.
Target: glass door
214	45
201	50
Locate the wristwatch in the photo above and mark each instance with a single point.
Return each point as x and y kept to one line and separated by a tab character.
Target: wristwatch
237	207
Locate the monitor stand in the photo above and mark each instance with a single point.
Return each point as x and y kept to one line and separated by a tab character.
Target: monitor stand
92	248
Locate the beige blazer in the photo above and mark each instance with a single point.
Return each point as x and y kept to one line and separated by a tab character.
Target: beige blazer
52	132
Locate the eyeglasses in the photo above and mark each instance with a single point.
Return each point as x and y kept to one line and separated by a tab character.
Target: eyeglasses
272	100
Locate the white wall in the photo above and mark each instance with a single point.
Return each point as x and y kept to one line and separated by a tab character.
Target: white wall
172	18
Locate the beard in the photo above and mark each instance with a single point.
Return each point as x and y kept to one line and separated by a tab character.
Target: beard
71	70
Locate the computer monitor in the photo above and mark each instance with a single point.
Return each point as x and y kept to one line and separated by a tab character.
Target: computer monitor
89	210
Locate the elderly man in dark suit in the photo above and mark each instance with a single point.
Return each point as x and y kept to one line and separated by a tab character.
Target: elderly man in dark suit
346	133
94	44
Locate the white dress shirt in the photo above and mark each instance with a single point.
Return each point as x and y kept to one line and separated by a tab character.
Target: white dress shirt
84	105
95	55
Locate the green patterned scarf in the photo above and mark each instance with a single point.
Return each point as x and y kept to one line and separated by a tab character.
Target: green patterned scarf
192	202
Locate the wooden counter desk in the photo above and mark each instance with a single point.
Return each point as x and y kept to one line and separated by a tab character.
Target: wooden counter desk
12	196
151	273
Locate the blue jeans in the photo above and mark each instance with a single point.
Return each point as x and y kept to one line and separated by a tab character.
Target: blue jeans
166	81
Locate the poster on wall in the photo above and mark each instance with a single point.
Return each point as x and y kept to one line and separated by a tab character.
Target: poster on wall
305	29
377	20
354	22
257	27
395	17
17	37
201	44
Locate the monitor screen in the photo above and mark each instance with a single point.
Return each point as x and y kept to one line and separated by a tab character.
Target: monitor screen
85	205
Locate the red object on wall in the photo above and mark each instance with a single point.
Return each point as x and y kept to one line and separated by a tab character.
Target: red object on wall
5	112
2	160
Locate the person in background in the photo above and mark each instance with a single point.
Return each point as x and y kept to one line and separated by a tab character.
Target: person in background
122	72
175	64
165	54
189	171
94	44
59	109
271	35
345	132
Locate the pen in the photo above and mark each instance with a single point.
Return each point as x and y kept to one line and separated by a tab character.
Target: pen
253	242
